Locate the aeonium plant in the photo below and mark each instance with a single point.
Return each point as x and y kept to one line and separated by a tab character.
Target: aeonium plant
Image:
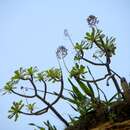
85	93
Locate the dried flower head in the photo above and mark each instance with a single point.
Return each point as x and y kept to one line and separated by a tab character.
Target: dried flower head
66	32
92	20
61	52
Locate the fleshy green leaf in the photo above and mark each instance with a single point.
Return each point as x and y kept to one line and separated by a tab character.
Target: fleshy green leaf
85	88
15	110
76	90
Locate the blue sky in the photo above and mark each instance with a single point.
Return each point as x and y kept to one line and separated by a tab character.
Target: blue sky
31	30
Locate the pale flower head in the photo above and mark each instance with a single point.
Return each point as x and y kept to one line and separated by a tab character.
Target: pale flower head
61	52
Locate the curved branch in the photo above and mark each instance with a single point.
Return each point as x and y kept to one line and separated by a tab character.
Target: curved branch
45	89
114	79
107	82
95	80
21	95
93	63
52	93
34	86
60	93
49	105
35	113
116	74
57	94
54	110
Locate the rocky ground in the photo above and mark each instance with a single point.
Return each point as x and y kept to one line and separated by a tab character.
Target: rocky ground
125	125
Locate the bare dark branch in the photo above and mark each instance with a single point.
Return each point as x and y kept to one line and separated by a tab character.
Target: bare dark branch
22	95
95	80
93	63
45	89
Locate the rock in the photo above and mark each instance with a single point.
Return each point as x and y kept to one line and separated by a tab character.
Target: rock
125	125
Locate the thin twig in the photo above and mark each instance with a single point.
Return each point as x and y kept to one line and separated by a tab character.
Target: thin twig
93	63
95	80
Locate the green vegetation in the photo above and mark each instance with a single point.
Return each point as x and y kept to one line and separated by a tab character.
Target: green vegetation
86	96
